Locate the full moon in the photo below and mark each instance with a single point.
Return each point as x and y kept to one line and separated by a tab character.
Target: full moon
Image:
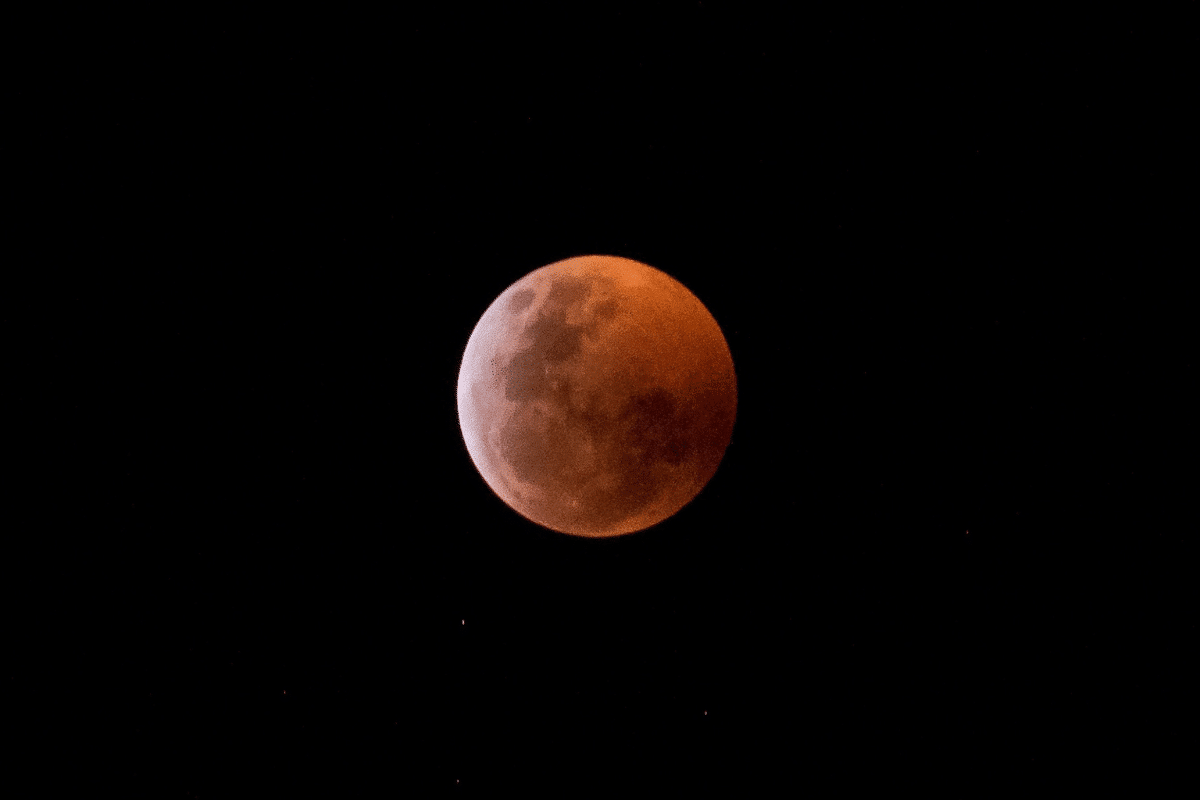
597	396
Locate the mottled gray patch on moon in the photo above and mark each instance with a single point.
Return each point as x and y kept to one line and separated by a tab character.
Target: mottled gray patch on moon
520	300
567	291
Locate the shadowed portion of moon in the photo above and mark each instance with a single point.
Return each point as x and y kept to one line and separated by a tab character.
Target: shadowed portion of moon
597	396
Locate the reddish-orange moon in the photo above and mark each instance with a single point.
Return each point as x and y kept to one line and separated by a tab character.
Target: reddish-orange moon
597	396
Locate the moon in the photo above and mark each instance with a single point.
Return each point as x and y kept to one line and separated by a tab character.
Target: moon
597	396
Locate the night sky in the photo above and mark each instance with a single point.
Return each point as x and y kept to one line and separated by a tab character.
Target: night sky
941	545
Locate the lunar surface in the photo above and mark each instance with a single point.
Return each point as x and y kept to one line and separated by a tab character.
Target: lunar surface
597	396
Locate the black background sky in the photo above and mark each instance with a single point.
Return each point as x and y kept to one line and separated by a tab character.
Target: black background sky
939	545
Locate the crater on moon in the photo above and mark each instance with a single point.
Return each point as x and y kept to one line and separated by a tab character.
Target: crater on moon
597	396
